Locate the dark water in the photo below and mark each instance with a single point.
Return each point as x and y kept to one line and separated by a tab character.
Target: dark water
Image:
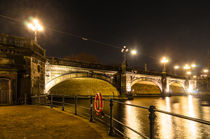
166	127
169	127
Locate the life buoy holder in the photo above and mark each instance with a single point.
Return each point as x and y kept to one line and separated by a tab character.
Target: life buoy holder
98	103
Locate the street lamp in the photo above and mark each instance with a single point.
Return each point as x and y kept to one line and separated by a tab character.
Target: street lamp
193	65
35	26
133	52
176	67
164	60
194	76
125	88
189	73
186	67
205	70
125	50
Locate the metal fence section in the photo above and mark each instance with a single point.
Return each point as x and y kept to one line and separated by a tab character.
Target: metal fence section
60	100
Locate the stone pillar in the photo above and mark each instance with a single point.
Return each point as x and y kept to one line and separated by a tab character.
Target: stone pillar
164	85
123	84
186	84
123	71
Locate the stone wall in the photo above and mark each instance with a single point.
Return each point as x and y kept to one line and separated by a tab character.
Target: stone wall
22	63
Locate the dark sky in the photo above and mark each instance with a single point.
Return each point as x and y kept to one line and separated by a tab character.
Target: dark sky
180	31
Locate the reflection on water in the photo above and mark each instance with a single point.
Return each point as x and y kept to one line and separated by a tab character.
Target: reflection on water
168	127
131	120
191	131
165	120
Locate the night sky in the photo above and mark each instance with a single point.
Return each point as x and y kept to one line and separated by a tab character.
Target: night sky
180	31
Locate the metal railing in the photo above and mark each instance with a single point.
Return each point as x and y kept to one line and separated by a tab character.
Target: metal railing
112	130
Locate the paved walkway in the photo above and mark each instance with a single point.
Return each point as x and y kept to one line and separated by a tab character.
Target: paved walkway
38	122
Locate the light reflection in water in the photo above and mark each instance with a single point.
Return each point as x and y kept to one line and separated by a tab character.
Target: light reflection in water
191	127
168	127
131	119
165	121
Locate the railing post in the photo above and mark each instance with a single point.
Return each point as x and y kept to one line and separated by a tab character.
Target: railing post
51	101
63	101
91	108
152	117
39	100
25	99
75	101
111	132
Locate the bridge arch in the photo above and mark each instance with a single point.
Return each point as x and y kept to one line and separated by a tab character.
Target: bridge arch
72	75
175	86
156	83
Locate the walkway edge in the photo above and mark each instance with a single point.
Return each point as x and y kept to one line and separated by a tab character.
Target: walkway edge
99	127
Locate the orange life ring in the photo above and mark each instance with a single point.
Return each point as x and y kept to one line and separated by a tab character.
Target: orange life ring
98	103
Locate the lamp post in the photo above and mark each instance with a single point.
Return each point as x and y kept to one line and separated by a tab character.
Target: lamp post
204	75
35	26
164	61
205	71
189	73
186	67
176	67
125	51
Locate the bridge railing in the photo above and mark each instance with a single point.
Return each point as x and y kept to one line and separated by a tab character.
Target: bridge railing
68	62
63	102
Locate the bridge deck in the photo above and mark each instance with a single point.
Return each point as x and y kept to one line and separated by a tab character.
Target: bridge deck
41	122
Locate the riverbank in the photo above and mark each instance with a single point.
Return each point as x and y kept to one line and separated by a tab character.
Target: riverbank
29	121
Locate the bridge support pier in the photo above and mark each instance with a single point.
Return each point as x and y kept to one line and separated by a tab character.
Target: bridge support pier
123	90
164	85
123	84
187	85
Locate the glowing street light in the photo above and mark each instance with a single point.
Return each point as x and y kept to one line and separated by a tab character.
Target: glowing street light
205	70
194	76
193	65
187	67
164	61
133	52
35	26
176	67
125	50
188	72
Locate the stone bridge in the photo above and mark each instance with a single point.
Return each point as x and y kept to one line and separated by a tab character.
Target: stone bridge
58	70
25	71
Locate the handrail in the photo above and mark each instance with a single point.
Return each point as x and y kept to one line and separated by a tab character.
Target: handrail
169	113
184	117
131	105
144	136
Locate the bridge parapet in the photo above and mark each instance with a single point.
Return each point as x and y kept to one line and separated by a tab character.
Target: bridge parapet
68	62
23	46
